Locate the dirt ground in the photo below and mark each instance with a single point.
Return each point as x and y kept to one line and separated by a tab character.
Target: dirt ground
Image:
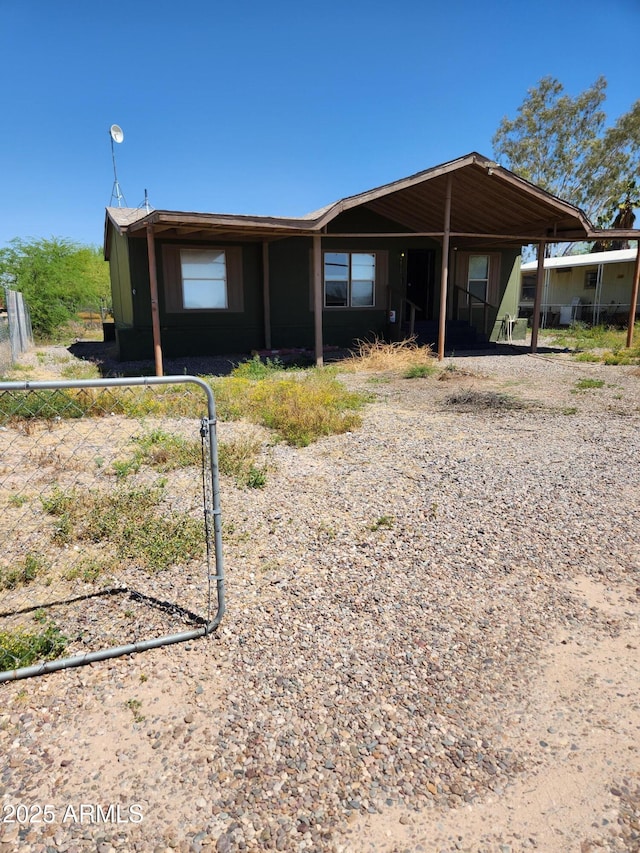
578	720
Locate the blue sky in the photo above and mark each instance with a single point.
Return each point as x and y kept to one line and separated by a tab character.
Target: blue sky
272	108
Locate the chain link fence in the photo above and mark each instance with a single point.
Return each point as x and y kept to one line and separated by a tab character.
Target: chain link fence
111	530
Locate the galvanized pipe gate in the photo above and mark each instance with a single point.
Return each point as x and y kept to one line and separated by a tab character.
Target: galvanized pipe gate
30	414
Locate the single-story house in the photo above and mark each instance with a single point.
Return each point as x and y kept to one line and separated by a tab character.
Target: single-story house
437	253
593	288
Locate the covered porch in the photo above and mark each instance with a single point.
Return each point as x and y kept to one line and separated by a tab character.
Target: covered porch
450	236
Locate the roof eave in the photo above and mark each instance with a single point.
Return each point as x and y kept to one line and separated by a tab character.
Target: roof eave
474	158
419	177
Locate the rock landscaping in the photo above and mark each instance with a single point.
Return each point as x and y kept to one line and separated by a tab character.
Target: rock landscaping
431	644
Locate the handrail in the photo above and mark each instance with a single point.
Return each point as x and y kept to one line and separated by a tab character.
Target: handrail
470	306
473	296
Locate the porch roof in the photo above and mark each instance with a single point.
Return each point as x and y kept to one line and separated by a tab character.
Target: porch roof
488	204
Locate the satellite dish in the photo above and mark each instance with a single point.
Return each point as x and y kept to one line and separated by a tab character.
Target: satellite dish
116	134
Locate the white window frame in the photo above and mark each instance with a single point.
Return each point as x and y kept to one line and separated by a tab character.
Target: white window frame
486	279
349	280
216	279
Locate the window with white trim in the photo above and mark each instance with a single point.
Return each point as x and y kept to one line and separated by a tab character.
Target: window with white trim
204	279
349	279
478	277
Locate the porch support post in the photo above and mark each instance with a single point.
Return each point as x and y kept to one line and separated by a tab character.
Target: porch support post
317	297
444	277
634	297
153	289
266	298
537	302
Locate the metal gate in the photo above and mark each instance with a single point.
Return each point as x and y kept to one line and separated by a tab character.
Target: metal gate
110	536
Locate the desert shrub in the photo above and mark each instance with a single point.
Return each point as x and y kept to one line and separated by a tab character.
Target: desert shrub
300	407
22	648
302	410
167	451
237	459
587	383
57	277
419	371
256	368
24	572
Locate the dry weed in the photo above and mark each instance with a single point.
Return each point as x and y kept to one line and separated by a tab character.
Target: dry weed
383	356
484	401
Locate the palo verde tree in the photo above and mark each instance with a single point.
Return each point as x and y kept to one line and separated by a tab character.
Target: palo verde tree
564	145
57	278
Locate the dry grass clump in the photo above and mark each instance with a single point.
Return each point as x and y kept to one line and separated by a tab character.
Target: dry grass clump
237	458
128	523
382	356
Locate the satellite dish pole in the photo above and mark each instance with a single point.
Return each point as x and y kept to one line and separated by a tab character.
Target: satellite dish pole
116	134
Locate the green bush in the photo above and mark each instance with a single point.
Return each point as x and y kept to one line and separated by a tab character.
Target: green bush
584	384
56	277
419	371
237	459
300	407
255	368
22	648
167	451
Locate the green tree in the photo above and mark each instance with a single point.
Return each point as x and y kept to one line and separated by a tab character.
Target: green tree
57	278
563	145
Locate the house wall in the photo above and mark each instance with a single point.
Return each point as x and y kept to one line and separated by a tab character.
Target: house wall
508	305
192	333
216	332
291	289
186	333
503	295
133	328
362	219
120	276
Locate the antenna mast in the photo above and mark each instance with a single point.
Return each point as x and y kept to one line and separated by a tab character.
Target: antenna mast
116	134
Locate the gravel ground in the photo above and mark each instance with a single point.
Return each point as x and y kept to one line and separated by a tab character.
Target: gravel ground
397	599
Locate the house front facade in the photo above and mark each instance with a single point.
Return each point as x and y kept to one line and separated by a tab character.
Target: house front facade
437	254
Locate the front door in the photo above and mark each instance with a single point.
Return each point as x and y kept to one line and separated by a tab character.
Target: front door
421	280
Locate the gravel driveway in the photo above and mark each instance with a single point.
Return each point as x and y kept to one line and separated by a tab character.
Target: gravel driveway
426	617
